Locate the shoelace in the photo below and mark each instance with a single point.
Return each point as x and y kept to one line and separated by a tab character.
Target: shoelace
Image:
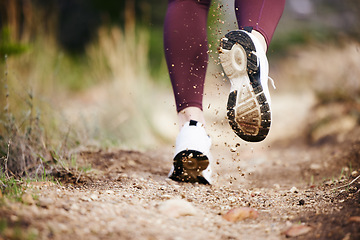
272	82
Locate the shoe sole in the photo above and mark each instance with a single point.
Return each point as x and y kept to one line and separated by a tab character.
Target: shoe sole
248	109
188	167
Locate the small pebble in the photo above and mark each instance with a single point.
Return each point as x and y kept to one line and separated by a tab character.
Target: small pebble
294	190
85	199
232	149
94	196
27	199
354	173
45	202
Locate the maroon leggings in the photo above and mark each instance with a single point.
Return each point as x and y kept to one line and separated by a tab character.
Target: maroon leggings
185	41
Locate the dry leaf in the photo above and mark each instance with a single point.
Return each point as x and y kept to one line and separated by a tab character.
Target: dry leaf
354	219
239	214
297	230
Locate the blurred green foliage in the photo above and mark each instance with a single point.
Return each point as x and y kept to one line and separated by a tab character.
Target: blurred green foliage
76	22
10	187
7	47
283	42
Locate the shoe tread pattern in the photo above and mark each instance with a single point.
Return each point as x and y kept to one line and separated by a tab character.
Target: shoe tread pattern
250	122
188	167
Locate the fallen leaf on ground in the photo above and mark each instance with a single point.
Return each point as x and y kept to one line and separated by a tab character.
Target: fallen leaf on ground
354	219
297	230
241	213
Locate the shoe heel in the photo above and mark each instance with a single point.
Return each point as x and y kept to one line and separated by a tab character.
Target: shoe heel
188	167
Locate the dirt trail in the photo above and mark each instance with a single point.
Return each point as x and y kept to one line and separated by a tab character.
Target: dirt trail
126	195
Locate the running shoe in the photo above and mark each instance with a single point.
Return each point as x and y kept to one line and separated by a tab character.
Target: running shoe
192	158
245	64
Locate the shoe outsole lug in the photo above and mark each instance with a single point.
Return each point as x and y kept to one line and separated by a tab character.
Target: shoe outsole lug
266	124
261	98
258	89
266	116
188	167
263	131
232	100
264	108
243	123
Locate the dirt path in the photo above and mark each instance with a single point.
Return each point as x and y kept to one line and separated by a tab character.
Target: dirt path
126	194
129	197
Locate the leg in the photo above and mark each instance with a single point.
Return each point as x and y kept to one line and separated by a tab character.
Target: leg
262	15
186	52
190	113
185	44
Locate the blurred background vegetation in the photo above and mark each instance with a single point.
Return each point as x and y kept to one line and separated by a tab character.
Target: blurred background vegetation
87	73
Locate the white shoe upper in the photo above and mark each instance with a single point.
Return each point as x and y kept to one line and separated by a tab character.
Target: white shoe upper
193	136
264	65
